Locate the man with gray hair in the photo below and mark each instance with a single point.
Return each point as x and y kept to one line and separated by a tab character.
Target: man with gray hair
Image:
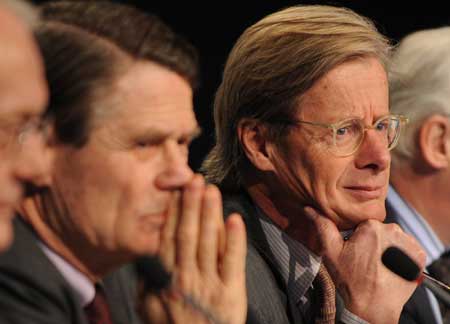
23	98
303	134
418	198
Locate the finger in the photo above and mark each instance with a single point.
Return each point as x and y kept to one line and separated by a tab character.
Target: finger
167	249
222	238
328	242
416	251
406	242
233	264
188	225
153	310
211	221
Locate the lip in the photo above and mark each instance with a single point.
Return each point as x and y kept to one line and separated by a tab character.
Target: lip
154	218
366	192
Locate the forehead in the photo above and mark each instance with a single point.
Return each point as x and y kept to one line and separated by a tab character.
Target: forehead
153	97
357	88
23	89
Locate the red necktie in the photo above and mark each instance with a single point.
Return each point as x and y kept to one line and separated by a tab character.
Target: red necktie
97	312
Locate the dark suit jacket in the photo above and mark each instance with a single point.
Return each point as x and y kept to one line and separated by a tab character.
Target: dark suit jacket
32	290
268	302
418	308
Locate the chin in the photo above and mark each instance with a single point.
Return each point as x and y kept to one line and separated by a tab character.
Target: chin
358	215
148	245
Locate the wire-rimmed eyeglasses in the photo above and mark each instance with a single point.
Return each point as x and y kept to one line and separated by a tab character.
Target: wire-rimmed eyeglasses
348	134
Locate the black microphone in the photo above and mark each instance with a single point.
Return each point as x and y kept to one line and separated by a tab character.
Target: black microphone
401	264
157	279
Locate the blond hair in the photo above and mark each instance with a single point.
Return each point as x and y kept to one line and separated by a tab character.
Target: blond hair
272	65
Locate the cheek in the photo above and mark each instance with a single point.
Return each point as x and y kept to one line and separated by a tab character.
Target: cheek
336	174
327	174
137	239
6	232
136	198
88	189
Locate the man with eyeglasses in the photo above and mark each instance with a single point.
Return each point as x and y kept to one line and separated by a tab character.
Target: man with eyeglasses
303	134
23	97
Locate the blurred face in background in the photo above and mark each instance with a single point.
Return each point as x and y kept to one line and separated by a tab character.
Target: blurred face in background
23	98
114	191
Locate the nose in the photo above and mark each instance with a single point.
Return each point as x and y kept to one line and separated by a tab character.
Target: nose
373	152
32	163
176	172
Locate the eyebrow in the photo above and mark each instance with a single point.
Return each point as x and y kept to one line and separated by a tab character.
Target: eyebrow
196	133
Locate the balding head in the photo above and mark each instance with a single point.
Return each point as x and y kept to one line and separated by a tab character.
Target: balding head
27	13
21	69
23	98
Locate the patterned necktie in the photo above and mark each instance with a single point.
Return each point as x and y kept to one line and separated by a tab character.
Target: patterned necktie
97	312
326	293
440	269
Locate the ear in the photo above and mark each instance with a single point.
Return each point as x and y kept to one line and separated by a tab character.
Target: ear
434	141
253	140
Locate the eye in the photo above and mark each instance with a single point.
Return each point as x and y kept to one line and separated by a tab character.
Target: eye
382	126
183	141
145	143
342	131
347	130
141	144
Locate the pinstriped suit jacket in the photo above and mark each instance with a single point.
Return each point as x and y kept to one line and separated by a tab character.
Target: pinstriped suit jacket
267	293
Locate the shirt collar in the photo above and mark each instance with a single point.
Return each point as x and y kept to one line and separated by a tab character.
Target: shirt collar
83	287
413	223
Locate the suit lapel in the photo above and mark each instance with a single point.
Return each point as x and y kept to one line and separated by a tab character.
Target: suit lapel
242	204
120	296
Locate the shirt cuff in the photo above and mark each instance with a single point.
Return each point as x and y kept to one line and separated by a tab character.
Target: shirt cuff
349	318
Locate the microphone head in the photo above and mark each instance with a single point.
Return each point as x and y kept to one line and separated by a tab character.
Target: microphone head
401	264
152	271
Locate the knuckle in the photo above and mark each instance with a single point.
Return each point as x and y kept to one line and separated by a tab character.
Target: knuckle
212	192
184	281
394	228
371	226
184	238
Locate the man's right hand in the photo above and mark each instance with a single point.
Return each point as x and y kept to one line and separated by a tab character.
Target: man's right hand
368	288
206	257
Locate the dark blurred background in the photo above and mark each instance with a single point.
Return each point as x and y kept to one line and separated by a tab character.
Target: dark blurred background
213	27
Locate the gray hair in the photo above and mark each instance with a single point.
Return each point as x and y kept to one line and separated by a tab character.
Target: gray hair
23	10
419	80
